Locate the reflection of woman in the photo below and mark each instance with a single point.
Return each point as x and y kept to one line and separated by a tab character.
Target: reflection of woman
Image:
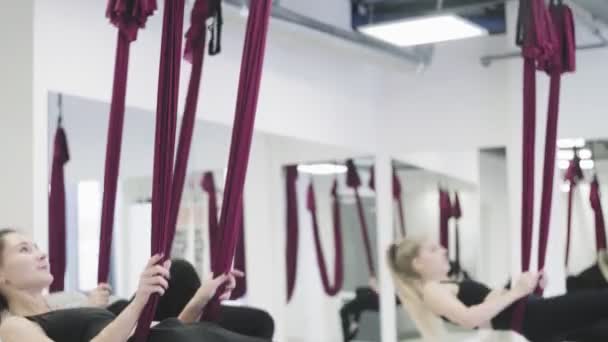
367	299
24	275
420	270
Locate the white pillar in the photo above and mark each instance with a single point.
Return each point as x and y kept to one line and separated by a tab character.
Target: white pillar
384	217
16	116
264	220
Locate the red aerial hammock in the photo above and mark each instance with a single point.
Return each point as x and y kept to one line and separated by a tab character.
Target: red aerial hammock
128	16
456	213
291	236
208	185
547	40
573	175
445	212
330	289
57	207
600	226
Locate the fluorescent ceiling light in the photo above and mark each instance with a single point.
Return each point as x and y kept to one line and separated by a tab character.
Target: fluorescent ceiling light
587	164
425	30
322	169
571	143
563	164
565	154
585	153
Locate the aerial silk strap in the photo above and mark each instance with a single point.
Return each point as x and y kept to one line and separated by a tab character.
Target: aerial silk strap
547	40
397	192
354	182
445	209
573	175
128	16
291	243
165	178
330	289
457	214
208	185
562	61
242	133
600	226
195	54
57	213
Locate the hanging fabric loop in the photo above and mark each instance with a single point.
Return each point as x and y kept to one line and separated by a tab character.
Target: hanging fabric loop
600	226
547	40
292	225
128	16
330	289
57	211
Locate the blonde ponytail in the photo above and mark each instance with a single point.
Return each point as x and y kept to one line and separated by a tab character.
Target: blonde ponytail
399	258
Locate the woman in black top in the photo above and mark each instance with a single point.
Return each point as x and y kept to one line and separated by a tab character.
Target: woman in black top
420	269
26	317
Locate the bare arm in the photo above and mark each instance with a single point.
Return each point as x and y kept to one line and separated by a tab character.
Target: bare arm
18	329
153	280
194	309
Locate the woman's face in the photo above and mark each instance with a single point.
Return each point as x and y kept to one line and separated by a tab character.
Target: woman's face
432	261
24	266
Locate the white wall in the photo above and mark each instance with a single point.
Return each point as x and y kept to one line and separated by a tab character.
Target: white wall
16	119
494	228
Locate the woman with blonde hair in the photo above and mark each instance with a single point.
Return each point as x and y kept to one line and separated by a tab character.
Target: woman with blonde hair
420	270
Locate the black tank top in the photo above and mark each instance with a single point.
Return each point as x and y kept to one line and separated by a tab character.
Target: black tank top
83	324
73	325
472	293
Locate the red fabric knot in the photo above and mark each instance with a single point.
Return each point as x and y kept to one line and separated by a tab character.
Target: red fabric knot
456	210
352	176
207	183
197	32
130	15
574	173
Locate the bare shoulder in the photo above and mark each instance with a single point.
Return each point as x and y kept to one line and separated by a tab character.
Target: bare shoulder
20	329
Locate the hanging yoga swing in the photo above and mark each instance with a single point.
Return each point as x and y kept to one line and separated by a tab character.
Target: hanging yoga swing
292	228
574	174
445	212
329	288
169	175
547	40
57	205
208	185
595	276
